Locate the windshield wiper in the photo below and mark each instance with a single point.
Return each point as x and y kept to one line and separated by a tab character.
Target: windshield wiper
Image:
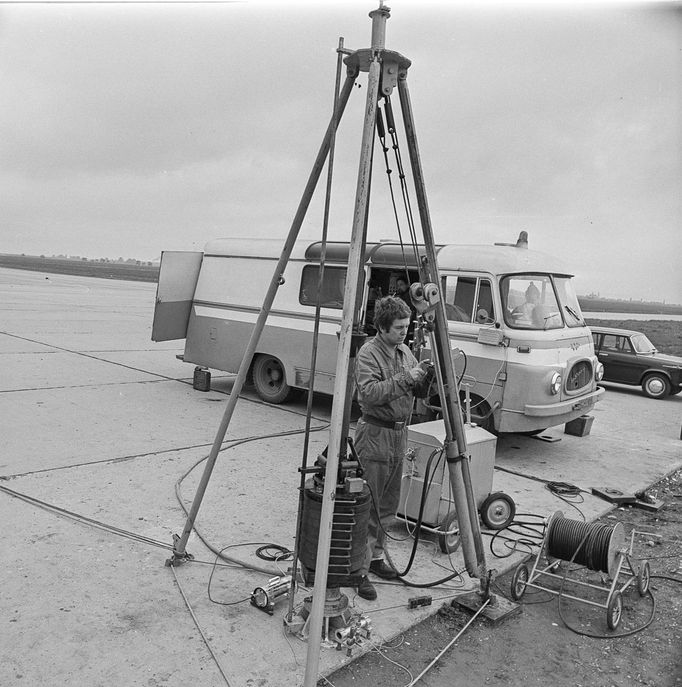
574	314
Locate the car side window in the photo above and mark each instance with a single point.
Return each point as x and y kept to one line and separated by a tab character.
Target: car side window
610	343
625	345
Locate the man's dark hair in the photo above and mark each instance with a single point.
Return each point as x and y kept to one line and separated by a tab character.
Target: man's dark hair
388	309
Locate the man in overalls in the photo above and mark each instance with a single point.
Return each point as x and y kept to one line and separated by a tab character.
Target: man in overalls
388	377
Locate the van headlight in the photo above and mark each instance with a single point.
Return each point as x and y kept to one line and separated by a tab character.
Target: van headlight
555	383
598	372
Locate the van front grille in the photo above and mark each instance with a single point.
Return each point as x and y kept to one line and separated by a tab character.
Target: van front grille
579	376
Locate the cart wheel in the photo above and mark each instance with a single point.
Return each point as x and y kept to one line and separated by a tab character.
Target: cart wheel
519	581
449	543
643	578
498	511
614	610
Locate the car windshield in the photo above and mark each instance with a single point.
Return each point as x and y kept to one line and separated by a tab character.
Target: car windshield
641	344
529	302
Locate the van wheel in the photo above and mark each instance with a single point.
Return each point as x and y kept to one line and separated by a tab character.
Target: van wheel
656	385
269	379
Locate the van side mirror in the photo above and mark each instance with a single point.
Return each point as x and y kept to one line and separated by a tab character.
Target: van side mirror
483	317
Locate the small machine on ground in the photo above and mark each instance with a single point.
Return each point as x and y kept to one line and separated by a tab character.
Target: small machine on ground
426	497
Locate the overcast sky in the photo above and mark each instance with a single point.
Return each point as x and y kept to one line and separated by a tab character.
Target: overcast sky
128	129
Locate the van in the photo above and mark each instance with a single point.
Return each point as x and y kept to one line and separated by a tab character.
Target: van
523	354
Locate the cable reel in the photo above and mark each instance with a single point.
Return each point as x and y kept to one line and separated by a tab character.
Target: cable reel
596	546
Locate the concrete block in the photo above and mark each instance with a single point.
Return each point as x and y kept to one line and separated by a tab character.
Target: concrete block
580	427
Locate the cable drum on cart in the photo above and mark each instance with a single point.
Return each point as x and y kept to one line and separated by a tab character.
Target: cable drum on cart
592	545
600	547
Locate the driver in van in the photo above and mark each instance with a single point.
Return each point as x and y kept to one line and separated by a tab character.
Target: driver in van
388	377
524	311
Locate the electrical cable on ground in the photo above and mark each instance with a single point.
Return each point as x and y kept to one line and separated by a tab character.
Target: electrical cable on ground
562	490
528	531
379	651
196	623
268	571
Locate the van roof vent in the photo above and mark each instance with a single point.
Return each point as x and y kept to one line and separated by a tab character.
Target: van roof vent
521	242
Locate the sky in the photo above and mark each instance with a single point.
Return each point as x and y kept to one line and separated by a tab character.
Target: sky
127	129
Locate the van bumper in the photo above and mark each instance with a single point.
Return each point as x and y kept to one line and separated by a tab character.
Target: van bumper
572	405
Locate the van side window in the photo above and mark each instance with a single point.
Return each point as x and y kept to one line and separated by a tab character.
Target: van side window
333	286
469	299
459	298
485	310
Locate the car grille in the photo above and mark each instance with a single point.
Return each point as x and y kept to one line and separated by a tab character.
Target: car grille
579	376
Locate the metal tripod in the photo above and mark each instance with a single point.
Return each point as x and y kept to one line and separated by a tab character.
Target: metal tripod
386	71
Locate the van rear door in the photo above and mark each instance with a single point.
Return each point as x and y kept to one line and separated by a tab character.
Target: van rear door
178	277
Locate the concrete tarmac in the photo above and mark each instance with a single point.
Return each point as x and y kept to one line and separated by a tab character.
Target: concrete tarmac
103	445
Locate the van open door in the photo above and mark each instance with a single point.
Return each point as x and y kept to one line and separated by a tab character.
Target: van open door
178	277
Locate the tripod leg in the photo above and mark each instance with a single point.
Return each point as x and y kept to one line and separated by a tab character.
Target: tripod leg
460	477
180	544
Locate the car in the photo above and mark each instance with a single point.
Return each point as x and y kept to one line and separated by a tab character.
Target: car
630	358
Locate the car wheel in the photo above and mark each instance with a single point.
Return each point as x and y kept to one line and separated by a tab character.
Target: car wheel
656	385
269	379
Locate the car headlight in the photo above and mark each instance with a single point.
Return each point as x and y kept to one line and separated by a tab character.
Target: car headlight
598	372
555	383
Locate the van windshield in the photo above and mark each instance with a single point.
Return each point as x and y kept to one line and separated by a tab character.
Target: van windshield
529	302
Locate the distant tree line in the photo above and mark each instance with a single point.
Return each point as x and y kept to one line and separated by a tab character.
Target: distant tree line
129	269
593	303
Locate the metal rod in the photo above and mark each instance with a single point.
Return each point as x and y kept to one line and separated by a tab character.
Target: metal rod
181	543
316	330
455	442
356	251
569	596
450	643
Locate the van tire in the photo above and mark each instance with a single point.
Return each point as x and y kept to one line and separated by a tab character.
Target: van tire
269	379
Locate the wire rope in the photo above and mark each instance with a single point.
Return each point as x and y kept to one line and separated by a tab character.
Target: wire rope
198	626
84	519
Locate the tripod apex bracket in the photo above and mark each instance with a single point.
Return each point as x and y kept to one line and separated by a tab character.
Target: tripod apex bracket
178	558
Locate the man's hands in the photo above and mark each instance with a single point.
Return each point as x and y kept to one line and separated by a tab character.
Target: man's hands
419	372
